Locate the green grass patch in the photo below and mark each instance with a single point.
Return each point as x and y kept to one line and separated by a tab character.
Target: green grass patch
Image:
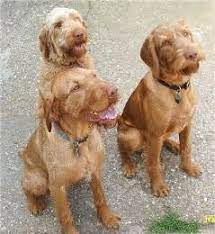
172	223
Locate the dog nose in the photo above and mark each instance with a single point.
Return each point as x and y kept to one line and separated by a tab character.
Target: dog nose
112	91
78	34
191	54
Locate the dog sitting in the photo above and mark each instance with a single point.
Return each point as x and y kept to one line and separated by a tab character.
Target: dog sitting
63	44
163	103
67	147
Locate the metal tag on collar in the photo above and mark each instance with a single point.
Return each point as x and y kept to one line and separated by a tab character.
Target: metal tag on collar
76	148
178	95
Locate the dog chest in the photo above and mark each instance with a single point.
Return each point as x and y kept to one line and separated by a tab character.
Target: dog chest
182	115
65	168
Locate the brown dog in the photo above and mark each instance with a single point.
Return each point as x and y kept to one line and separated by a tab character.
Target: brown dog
67	147
63	43
163	103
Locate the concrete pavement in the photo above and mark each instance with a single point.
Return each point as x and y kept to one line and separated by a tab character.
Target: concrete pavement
117	30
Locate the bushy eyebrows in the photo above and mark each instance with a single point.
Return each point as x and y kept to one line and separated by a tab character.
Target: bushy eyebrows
75	16
166	37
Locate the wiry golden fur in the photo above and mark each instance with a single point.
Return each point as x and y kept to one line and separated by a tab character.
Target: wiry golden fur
63	44
50	162
151	114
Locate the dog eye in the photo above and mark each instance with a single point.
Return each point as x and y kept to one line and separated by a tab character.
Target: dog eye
58	24
166	43
186	34
75	88
77	18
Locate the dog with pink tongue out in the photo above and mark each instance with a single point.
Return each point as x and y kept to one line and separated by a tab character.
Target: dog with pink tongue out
67	146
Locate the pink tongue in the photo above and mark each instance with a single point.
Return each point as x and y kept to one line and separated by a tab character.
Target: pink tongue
78	48
110	113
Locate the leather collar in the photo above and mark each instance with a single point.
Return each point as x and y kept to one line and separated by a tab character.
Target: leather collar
75	143
185	85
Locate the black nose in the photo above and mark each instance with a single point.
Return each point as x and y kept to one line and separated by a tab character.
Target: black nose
191	54
78	34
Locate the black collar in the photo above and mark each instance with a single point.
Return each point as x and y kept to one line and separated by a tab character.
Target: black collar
185	85
75	143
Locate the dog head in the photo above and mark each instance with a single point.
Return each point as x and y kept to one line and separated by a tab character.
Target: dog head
172	49
80	94
63	35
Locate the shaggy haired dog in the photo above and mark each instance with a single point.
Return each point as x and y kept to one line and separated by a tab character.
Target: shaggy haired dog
67	147
63	41
163	103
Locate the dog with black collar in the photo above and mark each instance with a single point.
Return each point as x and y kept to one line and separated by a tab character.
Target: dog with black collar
162	104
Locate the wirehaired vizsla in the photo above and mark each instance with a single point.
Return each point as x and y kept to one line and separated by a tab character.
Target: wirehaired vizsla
67	146
163	103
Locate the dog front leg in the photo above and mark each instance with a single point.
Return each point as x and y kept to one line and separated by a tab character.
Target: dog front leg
191	168
108	218
153	150
59	196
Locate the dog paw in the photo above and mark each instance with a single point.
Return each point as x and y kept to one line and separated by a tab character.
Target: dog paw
192	170
110	219
71	230
160	190
129	170
37	208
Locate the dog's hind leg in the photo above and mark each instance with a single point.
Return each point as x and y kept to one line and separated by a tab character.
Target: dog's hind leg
35	187
129	141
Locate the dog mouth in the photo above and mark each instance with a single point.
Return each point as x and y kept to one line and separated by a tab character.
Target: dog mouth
190	68
106	115
79	48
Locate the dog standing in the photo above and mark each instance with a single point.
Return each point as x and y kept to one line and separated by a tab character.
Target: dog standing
163	103
67	146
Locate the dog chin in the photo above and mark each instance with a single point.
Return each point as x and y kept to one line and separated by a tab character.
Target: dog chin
76	50
190	68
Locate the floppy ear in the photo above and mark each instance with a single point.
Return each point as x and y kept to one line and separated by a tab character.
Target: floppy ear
149	56
47	110
44	42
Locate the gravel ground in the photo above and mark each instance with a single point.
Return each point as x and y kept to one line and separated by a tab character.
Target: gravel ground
117	29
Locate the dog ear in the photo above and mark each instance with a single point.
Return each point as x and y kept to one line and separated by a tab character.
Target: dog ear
47	110
44	43
149	56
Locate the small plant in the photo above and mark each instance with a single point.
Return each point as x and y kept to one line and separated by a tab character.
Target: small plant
172	223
